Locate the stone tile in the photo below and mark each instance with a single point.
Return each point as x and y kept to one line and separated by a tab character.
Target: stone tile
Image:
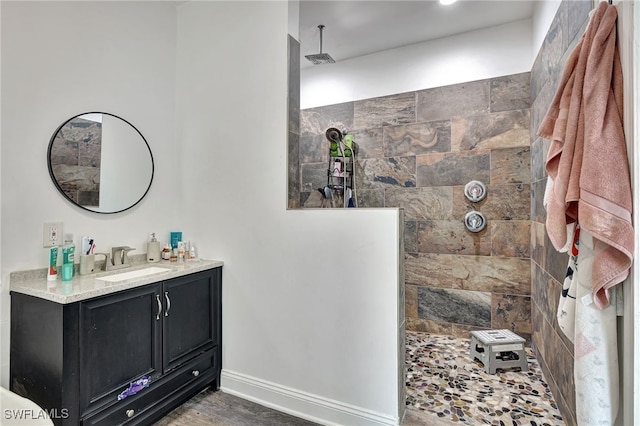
384	111
369	197
368	143
89	198
540	105
453	168
311	200
90	154
216	408
428	326
314	176
510	92
537	334
380	173
314	149
428	269
451	237
417	138
293	90
304	196
492	274
511	312
561	364
538	232
545	292
463	330
503	202
539	149
457	100
577	17
538	212
411	301
489	131
64	152
293	171
444	305
511	238
555	262
421	203
316	121
510	165
552	49
410	236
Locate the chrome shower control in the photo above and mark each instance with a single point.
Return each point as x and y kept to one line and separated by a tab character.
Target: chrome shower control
475	221
475	191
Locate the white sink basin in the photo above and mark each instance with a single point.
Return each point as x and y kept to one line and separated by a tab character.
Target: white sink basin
139	273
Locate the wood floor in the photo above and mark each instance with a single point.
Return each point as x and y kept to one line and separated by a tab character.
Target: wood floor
221	409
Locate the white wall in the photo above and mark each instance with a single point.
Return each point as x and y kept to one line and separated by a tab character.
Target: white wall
310	297
490	52
60	59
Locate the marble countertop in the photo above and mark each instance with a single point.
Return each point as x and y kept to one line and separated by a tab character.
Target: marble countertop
82	287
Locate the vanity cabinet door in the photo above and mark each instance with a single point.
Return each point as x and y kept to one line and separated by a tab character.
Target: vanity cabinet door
191	318
120	341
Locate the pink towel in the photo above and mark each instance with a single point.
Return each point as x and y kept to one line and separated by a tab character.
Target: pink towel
587	159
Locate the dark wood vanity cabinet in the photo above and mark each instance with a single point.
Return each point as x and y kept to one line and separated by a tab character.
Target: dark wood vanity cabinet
75	359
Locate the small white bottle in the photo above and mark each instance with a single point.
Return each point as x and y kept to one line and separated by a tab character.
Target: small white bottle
153	249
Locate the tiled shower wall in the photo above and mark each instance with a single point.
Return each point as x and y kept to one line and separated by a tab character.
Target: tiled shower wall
417	150
293	119
553	351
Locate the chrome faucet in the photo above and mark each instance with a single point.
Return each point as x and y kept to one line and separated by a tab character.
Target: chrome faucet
119	258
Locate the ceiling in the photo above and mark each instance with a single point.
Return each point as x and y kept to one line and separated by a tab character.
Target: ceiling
360	27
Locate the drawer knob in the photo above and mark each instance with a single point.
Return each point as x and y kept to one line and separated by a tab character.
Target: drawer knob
195	373
130	413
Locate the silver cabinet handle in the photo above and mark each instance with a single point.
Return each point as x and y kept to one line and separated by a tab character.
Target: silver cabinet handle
166	296
195	373
130	413
159	306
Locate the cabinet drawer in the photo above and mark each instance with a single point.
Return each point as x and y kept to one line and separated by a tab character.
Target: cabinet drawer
199	373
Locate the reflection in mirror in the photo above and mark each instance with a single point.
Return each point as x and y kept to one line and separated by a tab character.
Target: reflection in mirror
100	162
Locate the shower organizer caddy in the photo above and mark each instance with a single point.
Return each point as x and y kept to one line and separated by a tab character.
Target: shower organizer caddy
340	173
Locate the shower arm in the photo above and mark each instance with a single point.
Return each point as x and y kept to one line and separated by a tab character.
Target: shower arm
321	27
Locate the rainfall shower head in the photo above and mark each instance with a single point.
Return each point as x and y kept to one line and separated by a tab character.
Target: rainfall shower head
320	58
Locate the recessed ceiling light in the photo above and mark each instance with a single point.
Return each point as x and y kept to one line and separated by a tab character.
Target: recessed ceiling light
447	2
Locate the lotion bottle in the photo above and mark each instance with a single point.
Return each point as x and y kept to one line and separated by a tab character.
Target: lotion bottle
153	249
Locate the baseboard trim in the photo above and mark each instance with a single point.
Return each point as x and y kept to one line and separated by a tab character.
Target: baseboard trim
301	404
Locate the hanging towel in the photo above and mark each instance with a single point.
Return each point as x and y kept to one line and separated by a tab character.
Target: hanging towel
595	347
587	159
567	304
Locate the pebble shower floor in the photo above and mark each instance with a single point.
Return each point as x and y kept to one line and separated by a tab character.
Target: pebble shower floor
443	380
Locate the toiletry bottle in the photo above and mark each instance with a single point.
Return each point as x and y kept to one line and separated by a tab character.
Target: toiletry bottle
153	249
52	271
180	251
69	252
166	252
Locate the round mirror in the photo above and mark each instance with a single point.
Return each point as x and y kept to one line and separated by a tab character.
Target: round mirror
100	162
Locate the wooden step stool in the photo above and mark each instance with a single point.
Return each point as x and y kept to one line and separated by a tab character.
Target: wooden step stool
498	349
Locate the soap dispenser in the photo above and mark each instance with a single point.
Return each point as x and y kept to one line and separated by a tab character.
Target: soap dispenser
153	249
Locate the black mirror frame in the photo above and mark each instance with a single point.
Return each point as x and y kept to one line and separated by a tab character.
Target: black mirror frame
59	188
